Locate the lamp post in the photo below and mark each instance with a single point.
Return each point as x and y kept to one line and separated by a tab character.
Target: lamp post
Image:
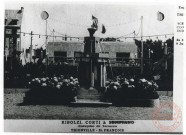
141	44
46	49
44	16
31	47
165	53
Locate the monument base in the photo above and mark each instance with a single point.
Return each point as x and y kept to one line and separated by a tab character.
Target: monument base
90	97
89	103
89	93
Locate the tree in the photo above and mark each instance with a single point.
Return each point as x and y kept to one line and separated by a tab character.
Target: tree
156	48
170	45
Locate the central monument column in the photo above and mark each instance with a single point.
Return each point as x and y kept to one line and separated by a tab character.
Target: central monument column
92	68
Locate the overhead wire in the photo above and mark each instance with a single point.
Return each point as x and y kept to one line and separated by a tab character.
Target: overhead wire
126	36
72	24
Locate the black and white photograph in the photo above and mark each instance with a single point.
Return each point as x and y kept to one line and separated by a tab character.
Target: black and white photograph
98	67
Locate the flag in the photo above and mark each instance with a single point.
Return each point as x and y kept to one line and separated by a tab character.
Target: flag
95	22
103	29
160	16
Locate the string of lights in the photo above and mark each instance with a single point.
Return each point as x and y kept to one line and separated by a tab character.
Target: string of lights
125	23
68	36
63	35
107	26
124	36
81	25
121	37
40	35
138	31
49	27
165	35
72	24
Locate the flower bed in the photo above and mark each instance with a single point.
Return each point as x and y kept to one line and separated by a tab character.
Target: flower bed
122	90
56	89
119	91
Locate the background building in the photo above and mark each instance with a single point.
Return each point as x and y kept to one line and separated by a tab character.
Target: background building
117	51
12	38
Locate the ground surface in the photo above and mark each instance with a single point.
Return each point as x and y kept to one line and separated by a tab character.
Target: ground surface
12	110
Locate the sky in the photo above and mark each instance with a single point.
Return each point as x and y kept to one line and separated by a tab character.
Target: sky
74	19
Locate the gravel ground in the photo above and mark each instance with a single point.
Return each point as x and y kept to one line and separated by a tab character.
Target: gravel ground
12	110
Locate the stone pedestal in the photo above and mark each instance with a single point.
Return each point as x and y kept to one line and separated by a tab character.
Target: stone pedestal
92	65
92	72
91	93
92	69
